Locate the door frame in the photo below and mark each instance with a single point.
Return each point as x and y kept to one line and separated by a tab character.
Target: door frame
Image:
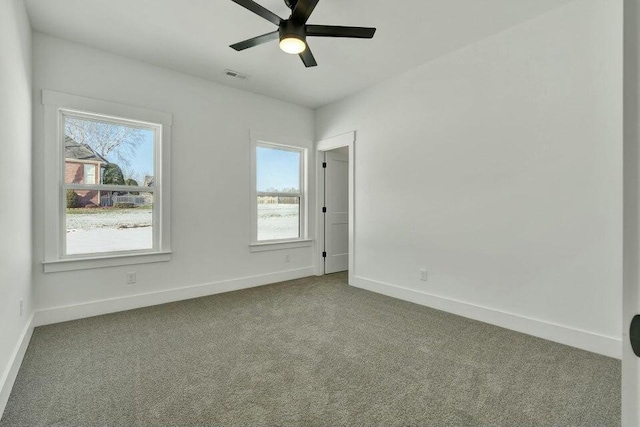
631	210
344	140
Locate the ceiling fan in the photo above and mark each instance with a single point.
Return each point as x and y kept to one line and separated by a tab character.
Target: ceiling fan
294	31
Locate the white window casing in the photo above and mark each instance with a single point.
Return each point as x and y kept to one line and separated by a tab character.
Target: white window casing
56	106
285	144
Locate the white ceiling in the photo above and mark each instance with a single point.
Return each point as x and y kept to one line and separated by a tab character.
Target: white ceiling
193	36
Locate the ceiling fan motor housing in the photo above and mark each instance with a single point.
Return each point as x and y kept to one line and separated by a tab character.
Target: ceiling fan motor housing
289	28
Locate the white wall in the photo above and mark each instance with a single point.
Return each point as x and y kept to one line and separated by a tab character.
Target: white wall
15	187
211	173
498	168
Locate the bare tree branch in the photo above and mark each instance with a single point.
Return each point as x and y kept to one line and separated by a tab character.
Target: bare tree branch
106	138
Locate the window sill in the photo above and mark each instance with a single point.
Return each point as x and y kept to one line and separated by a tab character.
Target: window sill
276	246
104	261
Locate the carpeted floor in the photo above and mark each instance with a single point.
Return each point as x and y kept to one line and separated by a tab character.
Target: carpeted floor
306	352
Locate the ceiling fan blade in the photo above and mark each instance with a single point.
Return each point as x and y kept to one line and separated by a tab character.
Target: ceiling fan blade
307	58
337	31
255	41
259	10
303	10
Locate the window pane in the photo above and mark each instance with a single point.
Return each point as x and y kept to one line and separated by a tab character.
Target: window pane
89	173
277	171
120	222
118	154
278	218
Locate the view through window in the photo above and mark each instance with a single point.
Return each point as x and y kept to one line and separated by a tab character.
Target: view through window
109	185
279	184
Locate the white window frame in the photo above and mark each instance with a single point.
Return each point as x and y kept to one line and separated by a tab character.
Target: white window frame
57	105
286	144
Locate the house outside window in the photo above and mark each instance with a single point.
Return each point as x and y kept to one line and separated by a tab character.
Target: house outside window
81	165
108	185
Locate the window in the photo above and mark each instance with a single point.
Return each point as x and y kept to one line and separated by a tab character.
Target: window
116	214
279	203
106	183
89	174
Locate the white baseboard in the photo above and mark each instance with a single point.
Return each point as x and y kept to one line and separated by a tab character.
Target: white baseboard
607	346
96	308
11	371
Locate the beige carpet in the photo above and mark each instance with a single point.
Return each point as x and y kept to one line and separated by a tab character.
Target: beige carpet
306	352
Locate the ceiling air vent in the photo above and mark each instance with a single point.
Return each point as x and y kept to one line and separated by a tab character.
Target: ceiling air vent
236	75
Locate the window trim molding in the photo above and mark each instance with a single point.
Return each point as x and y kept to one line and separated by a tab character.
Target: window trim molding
283	143
105	261
279	245
55	105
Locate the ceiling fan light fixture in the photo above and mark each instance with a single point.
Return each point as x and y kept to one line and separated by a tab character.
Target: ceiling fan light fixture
293	32
292	44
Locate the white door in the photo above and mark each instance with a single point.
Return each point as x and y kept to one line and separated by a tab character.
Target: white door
631	234
336	218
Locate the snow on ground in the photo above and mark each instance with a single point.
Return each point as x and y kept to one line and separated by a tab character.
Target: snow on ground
278	221
109	240
110	218
110	230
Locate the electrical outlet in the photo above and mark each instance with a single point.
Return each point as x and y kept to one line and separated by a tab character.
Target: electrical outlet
423	274
21	307
131	278
287	258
